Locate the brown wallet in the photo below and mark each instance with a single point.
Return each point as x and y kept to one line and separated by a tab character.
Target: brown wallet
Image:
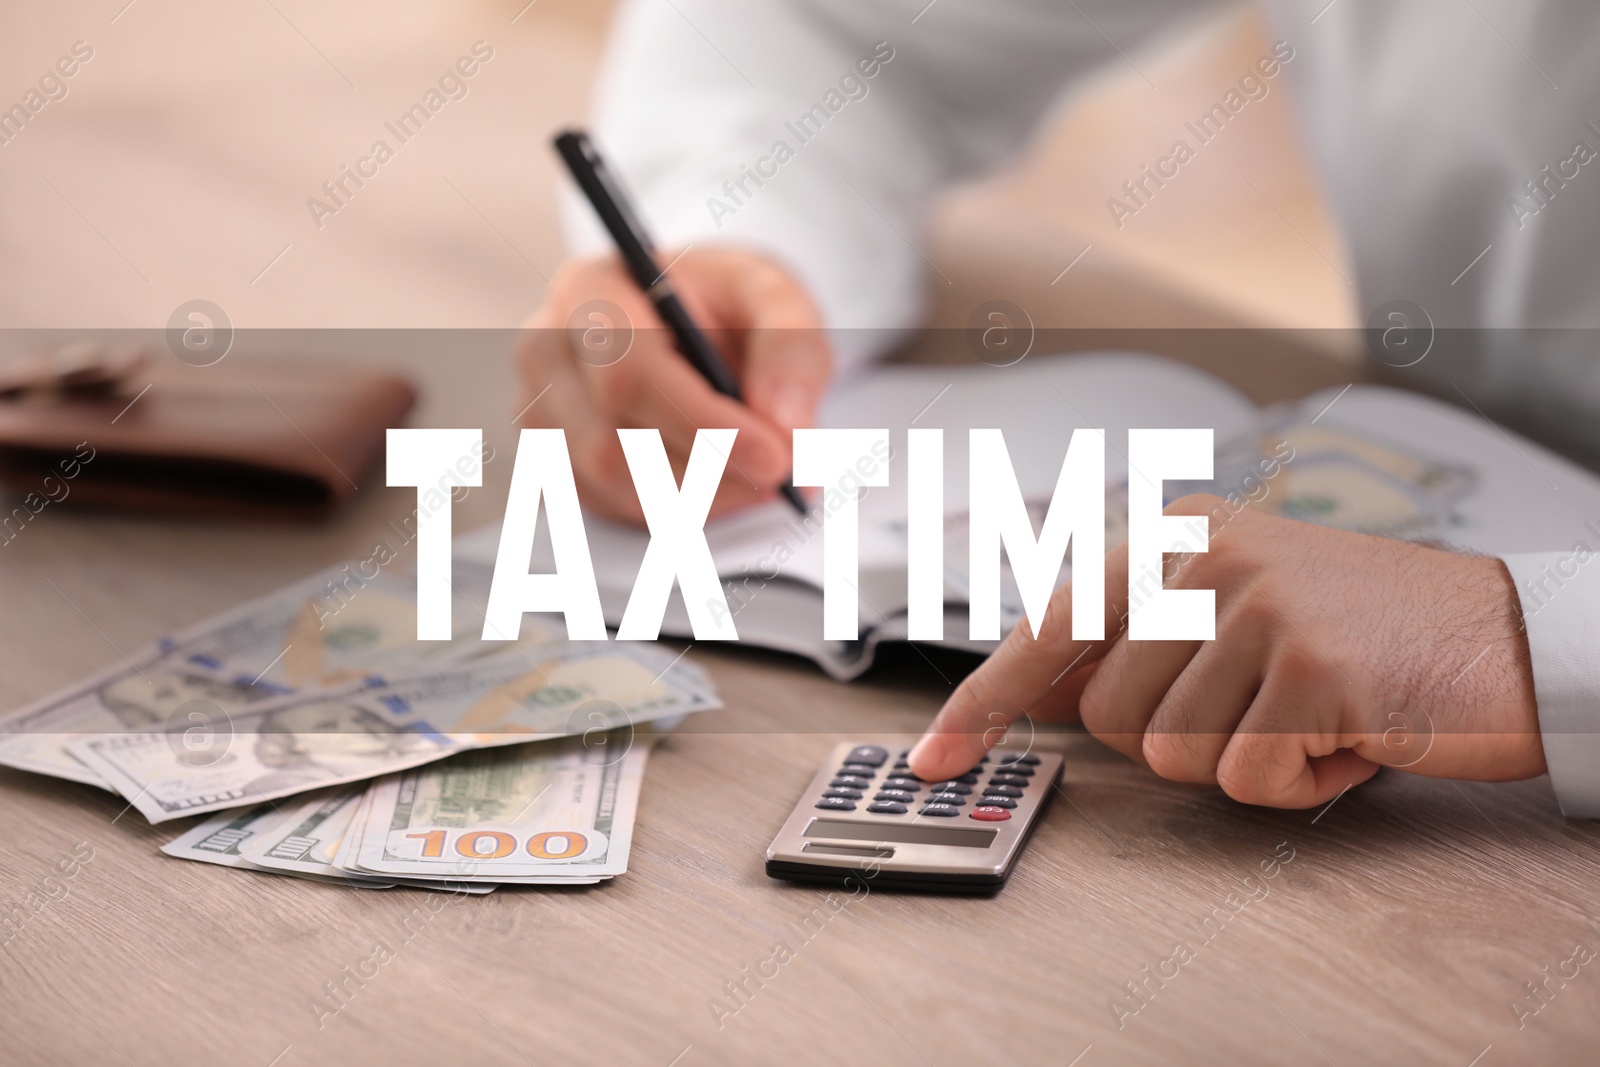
268	443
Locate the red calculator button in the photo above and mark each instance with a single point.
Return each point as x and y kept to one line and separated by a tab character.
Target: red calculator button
991	814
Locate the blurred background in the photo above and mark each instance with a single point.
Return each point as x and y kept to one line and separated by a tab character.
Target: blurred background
179	165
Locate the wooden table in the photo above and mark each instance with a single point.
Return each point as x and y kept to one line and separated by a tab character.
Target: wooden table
1400	929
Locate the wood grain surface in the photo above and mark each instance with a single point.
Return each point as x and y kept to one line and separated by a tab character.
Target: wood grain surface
1399	925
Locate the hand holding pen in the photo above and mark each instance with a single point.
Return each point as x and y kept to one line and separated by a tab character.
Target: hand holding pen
763	326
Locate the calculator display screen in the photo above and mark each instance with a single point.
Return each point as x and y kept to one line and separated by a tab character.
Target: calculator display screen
908	833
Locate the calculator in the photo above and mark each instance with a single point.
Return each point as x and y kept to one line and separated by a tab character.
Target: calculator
866	817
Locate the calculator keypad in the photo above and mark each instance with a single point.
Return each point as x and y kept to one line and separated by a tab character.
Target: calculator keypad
1009	776
870	755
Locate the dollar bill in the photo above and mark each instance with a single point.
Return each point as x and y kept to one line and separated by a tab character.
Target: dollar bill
330	629
222	839
304	742
128	697
555	811
305	839
344	852
308	838
1363	484
349	845
354	623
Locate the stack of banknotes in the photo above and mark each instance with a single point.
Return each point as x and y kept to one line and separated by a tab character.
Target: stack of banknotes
325	741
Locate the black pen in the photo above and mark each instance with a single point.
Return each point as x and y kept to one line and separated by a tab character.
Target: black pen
637	250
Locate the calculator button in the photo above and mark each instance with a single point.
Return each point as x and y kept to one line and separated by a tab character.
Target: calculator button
990	814
871	755
850	781
1026	758
941	811
989	801
1017	768
966	779
858	768
947	798
909	784
836	804
905	796
843	794
1001	791
951	787
1009	779
886	807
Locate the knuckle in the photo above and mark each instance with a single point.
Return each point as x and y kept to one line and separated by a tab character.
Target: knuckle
1241	789
1174	751
1243	781
1097	705
1297	667
1167	756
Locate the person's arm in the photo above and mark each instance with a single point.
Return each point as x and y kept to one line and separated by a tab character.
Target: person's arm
818	131
1560	595
786	155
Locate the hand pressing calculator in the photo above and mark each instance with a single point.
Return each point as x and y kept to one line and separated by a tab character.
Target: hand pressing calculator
866	816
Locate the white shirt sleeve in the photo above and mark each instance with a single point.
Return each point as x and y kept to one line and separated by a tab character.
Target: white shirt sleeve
1560	597
819	131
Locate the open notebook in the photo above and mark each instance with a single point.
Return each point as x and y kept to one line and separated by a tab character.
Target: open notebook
1368	458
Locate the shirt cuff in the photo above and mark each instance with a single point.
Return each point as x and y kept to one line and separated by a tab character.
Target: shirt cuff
1560	597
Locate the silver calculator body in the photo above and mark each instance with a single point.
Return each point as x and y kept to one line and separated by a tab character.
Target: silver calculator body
865	817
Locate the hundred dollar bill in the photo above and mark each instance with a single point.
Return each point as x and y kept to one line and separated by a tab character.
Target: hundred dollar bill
35	738
264	752
327	630
306	841
549	812
343	855
350	622
1361	484
344	852
222	838
350	843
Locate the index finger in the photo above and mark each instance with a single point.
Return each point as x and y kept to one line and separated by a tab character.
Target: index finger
1020	675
